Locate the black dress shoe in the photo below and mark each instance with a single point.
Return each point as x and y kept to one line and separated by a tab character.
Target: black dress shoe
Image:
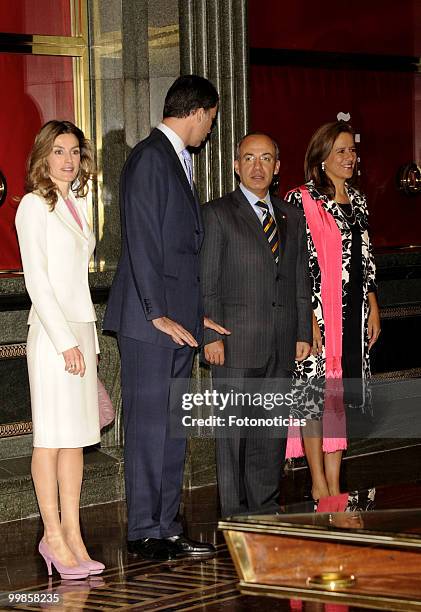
182	546
151	548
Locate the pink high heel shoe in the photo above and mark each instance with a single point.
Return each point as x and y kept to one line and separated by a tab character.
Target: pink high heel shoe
94	567
66	573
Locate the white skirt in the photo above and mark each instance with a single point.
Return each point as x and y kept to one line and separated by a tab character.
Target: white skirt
64	406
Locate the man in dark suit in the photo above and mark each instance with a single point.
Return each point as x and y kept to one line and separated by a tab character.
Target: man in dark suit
255	281
156	309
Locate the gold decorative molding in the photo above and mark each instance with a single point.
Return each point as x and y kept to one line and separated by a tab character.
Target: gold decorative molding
15	429
12	351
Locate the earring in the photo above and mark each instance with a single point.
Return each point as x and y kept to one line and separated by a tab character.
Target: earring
323	166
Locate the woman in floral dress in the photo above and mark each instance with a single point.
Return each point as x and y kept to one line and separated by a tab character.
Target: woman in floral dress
346	320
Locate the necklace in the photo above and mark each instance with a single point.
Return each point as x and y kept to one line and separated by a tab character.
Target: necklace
349	216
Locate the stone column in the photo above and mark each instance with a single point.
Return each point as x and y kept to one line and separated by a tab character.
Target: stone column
213	43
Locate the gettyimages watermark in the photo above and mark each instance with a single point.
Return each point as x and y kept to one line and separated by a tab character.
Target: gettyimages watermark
222	400
226	402
224	408
344	408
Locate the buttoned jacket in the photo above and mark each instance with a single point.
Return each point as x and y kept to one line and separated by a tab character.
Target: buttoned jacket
162	232
266	305
55	255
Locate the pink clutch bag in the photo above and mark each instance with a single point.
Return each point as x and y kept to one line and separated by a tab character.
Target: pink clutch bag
106	409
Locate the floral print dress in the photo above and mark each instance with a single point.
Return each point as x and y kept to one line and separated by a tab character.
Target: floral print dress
311	371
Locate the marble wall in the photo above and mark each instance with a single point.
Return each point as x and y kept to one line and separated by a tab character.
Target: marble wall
135	58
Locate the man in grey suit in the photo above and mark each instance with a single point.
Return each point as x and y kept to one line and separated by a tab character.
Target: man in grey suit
255	281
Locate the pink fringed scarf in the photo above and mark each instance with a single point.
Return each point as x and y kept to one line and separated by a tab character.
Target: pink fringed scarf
328	243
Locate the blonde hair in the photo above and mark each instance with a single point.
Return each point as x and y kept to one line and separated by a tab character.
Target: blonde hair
38	172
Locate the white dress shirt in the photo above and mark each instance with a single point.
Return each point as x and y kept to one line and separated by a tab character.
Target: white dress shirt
253	199
176	142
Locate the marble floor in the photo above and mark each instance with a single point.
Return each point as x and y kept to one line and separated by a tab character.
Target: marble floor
129	583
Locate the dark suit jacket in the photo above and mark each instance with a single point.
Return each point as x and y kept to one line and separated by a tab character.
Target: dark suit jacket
162	232
266	306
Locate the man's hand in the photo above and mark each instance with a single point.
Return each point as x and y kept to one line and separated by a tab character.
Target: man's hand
302	350
175	330
215	352
373	320
75	363
317	347
209	324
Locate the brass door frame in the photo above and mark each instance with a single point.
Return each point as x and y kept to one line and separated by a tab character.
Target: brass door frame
76	46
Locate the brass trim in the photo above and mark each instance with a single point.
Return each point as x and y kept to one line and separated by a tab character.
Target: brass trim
240	554
392	540
73	46
37	44
11	351
7	430
331	581
77	15
76	46
380	602
15	429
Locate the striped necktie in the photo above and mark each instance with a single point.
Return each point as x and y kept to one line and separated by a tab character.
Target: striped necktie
270	229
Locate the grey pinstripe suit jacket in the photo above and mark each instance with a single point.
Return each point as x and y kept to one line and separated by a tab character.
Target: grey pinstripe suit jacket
266	306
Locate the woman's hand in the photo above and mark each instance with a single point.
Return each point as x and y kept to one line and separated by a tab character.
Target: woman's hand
302	351
373	320
75	363
317	347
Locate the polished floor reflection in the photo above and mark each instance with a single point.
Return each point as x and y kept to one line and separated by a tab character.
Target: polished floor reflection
132	584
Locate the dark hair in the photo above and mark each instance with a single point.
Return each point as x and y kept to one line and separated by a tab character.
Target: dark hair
187	94
319	148
240	142
38	173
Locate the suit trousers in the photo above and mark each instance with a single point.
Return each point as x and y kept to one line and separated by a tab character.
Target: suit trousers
249	463
153	458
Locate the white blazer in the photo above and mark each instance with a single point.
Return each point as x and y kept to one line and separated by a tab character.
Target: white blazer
55	256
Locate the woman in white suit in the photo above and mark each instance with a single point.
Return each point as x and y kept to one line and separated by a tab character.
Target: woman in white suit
56	244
